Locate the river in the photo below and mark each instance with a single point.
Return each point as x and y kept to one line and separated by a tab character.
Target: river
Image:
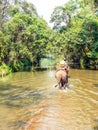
29	101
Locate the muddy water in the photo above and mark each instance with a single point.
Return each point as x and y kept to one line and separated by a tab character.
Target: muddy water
29	101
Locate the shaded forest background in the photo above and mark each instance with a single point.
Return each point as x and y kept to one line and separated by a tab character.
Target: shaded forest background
26	38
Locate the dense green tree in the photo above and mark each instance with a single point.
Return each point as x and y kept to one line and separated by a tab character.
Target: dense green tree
4	7
78	39
10	7
26	38
61	16
3	48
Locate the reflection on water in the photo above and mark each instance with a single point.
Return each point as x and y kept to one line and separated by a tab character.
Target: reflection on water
28	101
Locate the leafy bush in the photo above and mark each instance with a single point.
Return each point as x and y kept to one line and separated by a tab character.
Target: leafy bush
4	68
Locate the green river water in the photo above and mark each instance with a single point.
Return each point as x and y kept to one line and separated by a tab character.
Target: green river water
29	101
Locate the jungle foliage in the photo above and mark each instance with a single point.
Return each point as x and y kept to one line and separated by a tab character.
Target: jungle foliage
77	22
26	38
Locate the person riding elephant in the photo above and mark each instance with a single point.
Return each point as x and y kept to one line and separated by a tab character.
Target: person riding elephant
63	66
61	75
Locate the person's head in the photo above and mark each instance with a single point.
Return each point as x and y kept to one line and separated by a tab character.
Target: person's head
64	59
62	63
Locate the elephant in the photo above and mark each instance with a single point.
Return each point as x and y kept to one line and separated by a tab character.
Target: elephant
62	79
